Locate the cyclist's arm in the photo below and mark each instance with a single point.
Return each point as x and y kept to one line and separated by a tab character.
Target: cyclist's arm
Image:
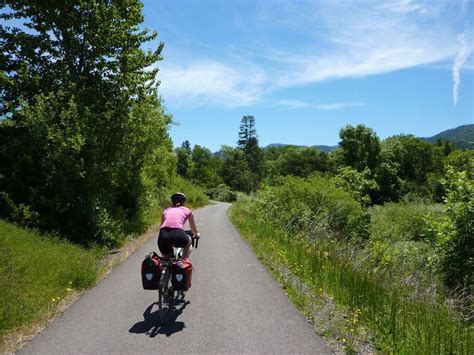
193	226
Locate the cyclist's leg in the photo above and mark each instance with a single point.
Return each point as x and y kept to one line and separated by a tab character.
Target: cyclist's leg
182	240
165	242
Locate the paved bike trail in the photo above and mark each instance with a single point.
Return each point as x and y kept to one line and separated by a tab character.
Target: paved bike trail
233	306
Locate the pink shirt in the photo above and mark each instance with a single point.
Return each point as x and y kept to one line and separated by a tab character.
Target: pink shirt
175	217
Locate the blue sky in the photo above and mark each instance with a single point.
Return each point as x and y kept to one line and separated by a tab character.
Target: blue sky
305	69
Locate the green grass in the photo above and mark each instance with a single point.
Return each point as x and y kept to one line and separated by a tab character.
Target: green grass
36	272
400	324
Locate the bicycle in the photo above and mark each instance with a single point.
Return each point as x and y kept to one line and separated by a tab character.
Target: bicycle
167	295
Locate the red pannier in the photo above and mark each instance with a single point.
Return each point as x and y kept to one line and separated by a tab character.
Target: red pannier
151	271
181	274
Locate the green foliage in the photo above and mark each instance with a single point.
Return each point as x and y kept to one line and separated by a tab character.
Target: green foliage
396	222
204	168
83	137
300	162
359	184
313	206
401	262
460	160
414	156
408	165
248	143
183	163
401	246
455	233
36	269
360	147
20	214
222	193
235	170
195	196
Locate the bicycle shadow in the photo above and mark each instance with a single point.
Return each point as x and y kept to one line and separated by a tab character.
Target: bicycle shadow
151	325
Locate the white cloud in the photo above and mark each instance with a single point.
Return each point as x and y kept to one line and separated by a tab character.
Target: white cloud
368	40
210	82
463	55
321	107
339	106
404	6
333	40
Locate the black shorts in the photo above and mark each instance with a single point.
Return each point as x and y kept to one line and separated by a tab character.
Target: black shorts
172	237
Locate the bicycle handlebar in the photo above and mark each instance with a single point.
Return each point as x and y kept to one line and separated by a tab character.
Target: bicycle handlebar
194	240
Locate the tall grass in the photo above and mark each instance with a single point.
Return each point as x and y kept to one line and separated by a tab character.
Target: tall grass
36	272
401	324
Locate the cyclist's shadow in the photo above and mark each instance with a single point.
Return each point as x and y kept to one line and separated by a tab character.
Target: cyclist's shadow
152	326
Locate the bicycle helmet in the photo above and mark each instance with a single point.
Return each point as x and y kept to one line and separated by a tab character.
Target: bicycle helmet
178	197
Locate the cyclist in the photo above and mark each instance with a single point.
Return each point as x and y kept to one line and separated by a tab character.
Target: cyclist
172	232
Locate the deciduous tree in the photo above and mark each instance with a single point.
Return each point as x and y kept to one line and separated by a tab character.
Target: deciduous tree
79	101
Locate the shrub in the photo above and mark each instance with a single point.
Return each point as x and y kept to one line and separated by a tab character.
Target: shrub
394	222
195	195
222	193
455	233
359	184
313	206
401	263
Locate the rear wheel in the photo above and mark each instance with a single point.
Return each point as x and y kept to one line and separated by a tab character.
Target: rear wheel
165	297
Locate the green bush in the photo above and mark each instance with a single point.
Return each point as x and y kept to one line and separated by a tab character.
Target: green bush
314	206
402	263
395	222
401	246
194	194
222	193
359	184
455	233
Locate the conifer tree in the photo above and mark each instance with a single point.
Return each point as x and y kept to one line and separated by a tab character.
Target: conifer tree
248	142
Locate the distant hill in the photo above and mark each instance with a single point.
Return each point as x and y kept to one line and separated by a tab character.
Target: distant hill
324	148
462	137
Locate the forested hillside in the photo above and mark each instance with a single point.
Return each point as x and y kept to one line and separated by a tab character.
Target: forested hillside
461	137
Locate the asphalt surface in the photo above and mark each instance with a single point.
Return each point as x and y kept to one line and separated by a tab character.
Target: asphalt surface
234	306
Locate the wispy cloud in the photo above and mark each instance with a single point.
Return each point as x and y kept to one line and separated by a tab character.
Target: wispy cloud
404	6
321	107
459	61
367	39
324	40
210	82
